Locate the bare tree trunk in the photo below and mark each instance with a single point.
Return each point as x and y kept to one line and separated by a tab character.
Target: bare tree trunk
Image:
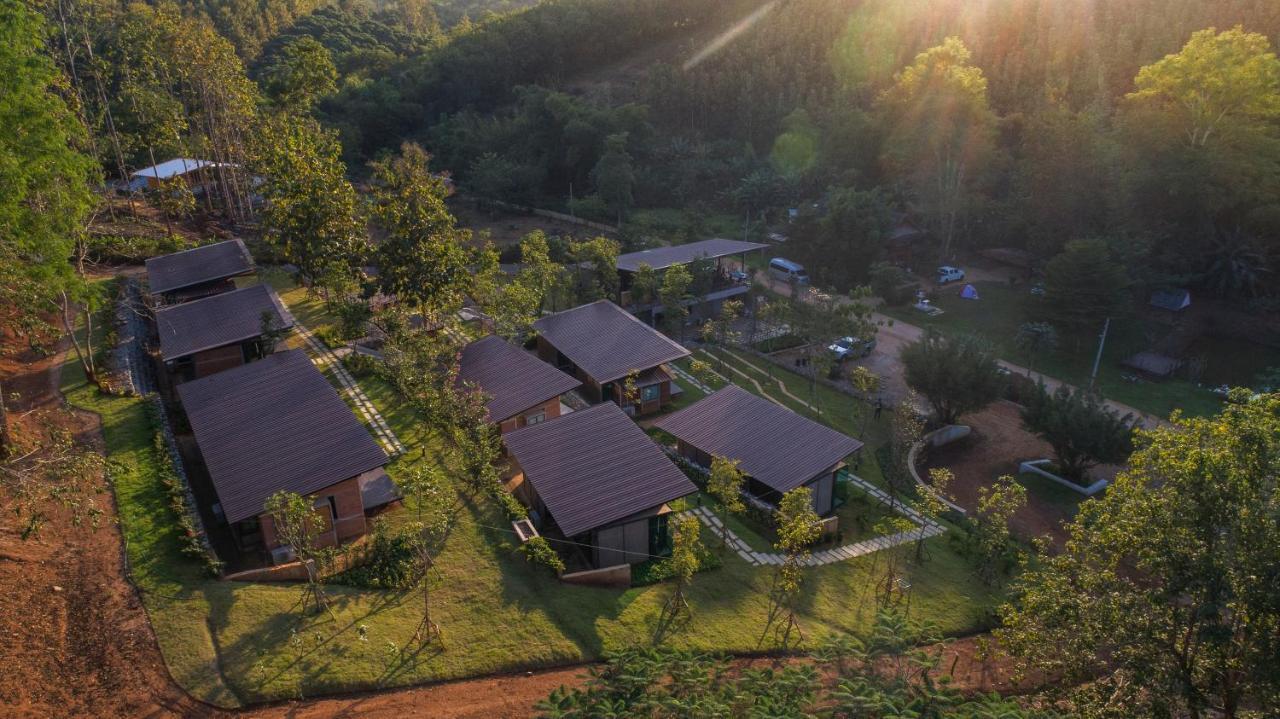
84	353
6	439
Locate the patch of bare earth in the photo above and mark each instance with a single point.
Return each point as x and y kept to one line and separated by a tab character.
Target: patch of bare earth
996	447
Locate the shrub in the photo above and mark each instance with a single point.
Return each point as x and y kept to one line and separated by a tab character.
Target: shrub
118	249
660	570
389	561
538	550
361	366
191	532
779	343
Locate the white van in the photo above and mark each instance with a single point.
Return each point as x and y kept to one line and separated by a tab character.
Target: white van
788	271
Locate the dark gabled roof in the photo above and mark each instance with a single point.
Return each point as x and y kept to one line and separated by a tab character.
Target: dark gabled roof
660	258
771	443
606	341
208	263
271	425
594	467
219	320
513	379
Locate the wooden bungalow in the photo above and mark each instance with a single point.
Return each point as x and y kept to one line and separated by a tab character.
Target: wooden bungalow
520	390
199	272
602	344
209	335
776	449
596	479
277	424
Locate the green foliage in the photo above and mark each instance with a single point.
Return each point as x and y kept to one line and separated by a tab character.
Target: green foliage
1083	285
539	551
655	571
854	229
890	283
894	669
673	292
614	176
422	258
1166	582
940	132
1080	427
44	179
725	483
956	374
600	256
301	74
298	524
389	561
1035	339
312	214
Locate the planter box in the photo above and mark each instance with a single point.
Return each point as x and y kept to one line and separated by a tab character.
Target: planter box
1034	467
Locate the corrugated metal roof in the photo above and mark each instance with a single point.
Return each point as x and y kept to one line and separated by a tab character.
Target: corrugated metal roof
771	443
595	466
173	168
606	341
220	260
219	320
271	425
513	379
660	258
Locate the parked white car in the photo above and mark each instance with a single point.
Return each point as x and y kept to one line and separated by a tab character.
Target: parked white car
946	274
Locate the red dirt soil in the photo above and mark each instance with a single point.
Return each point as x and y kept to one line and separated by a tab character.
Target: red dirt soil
75	640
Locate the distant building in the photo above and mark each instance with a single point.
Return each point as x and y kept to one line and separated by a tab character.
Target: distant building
277	424
184	168
209	335
724	283
595	478
602	344
777	449
198	272
520	389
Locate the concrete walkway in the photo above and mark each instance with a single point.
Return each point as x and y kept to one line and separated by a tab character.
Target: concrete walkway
325	359
925	526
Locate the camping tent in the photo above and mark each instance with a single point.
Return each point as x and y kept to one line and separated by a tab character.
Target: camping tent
1172	300
969	292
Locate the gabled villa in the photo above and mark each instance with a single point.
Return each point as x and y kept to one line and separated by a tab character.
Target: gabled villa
208	335
520	389
595	478
777	449
198	272
602	344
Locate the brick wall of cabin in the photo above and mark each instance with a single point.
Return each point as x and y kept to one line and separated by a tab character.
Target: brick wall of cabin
550	408
350	522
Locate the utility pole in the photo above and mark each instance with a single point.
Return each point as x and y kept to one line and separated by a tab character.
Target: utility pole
1102	341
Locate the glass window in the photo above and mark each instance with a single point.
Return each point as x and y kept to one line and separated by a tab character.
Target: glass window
535	418
650	393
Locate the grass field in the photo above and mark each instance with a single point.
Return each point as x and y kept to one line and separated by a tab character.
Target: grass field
233	643
1003	309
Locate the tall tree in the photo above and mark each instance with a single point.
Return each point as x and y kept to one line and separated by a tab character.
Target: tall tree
798	528
725	484
423	257
1080	427
1167	582
956	374
311	214
614	176
302	74
427	490
991	542
1082	286
940	132
684	561
673	293
298	524
45	196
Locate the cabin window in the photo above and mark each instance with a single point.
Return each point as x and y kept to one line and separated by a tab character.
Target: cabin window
535	418
650	393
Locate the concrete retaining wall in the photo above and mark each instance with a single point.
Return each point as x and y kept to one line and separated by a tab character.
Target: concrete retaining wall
936	438
1033	467
615	576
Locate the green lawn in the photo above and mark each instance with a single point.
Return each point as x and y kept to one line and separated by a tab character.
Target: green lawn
1003	309
232	643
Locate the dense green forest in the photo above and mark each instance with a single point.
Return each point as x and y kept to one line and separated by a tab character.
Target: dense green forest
1072	130
1151	126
